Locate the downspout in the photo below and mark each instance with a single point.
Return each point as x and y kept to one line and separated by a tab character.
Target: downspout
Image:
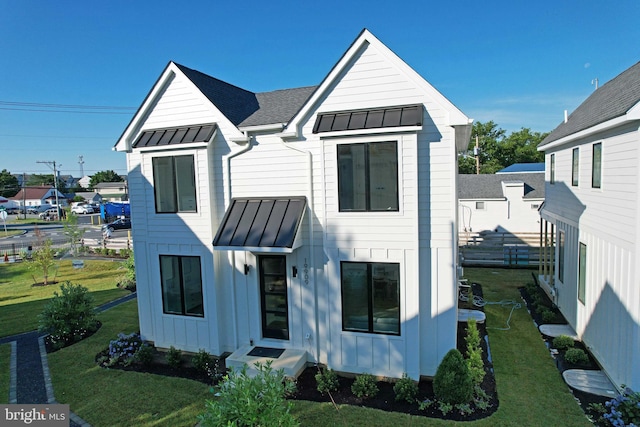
233	253
316	354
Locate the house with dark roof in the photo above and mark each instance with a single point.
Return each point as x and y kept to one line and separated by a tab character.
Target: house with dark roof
590	223
309	225
505	202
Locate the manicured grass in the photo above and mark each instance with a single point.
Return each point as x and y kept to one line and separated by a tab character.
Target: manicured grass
20	302
530	388
5	353
105	397
9	233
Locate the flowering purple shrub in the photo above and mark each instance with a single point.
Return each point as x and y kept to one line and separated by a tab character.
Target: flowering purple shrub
123	349
624	410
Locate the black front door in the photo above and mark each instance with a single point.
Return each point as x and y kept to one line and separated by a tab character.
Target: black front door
273	296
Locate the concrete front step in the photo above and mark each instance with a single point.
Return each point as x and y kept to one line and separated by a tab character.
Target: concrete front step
291	361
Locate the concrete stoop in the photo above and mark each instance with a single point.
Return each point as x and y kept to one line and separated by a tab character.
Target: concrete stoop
291	361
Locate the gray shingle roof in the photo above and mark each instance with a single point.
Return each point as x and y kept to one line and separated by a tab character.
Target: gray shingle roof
245	108
611	100
485	186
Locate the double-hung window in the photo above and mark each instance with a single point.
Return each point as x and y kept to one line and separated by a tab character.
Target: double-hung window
368	177
181	281
370	297
174	184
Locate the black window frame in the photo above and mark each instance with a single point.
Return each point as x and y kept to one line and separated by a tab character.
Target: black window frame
183	311
370	296
575	167
367	177
596	183
174	182
552	169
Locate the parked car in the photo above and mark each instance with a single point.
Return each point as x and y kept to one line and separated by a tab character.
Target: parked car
33	210
82	209
118	224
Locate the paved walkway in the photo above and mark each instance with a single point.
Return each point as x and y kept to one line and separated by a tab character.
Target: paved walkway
30	381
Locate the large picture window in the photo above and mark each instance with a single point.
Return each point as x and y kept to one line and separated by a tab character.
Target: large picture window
368	177
181	285
370	297
174	184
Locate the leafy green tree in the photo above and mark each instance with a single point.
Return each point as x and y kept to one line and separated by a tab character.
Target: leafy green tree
8	184
73	232
42	260
497	150
104	176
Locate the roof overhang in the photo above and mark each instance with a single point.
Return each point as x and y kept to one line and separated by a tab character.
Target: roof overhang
263	225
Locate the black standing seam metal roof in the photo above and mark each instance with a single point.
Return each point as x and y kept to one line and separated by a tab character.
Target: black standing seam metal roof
408	115
174	136
613	99
261	223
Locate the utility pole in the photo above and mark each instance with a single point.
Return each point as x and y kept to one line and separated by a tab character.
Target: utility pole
24	194
55	182
476	153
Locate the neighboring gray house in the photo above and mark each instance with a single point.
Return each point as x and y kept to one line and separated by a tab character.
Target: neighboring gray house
112	191
90	196
591	223
506	202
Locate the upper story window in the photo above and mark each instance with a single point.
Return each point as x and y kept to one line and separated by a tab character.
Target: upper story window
552	169
174	182
596	167
481	206
368	177
575	166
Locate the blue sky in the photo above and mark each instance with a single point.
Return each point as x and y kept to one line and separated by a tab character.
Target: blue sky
520	64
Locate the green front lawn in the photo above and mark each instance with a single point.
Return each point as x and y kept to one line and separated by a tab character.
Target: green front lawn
530	388
20	302
5	353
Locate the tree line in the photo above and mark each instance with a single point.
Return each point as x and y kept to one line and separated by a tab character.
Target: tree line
499	150
9	184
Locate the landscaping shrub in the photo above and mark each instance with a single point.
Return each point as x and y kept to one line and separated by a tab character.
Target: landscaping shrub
474	352
406	389
548	316
69	315
624	410
562	342
128	279
246	401
576	356
452	383
364	386
144	355
174	357
327	381
124	348
202	360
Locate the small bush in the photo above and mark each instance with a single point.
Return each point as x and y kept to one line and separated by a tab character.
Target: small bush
364	386
452	383
562	342
124	348
548	316
174	357
327	381
474	353
144	355
69	315
406	389
202	360
250	401
576	356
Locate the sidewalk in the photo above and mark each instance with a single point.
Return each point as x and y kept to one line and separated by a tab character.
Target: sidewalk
30	381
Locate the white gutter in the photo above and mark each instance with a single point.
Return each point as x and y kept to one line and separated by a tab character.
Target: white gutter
310	211
246	139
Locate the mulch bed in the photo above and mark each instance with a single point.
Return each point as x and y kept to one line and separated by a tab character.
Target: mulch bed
51	348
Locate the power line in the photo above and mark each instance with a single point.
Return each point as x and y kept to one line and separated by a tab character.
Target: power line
75	106
63	111
40	107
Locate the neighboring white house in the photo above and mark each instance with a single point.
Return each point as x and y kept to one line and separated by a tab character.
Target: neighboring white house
505	202
320	219
39	195
111	191
590	220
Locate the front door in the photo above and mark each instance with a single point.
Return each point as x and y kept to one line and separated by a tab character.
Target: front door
273	296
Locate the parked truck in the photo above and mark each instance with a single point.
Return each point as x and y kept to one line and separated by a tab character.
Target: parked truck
113	210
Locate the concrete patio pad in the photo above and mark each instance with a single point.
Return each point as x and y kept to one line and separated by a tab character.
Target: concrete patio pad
466	314
589	381
557	330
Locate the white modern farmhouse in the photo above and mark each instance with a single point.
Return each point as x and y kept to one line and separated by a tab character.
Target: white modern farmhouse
590	224
318	221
